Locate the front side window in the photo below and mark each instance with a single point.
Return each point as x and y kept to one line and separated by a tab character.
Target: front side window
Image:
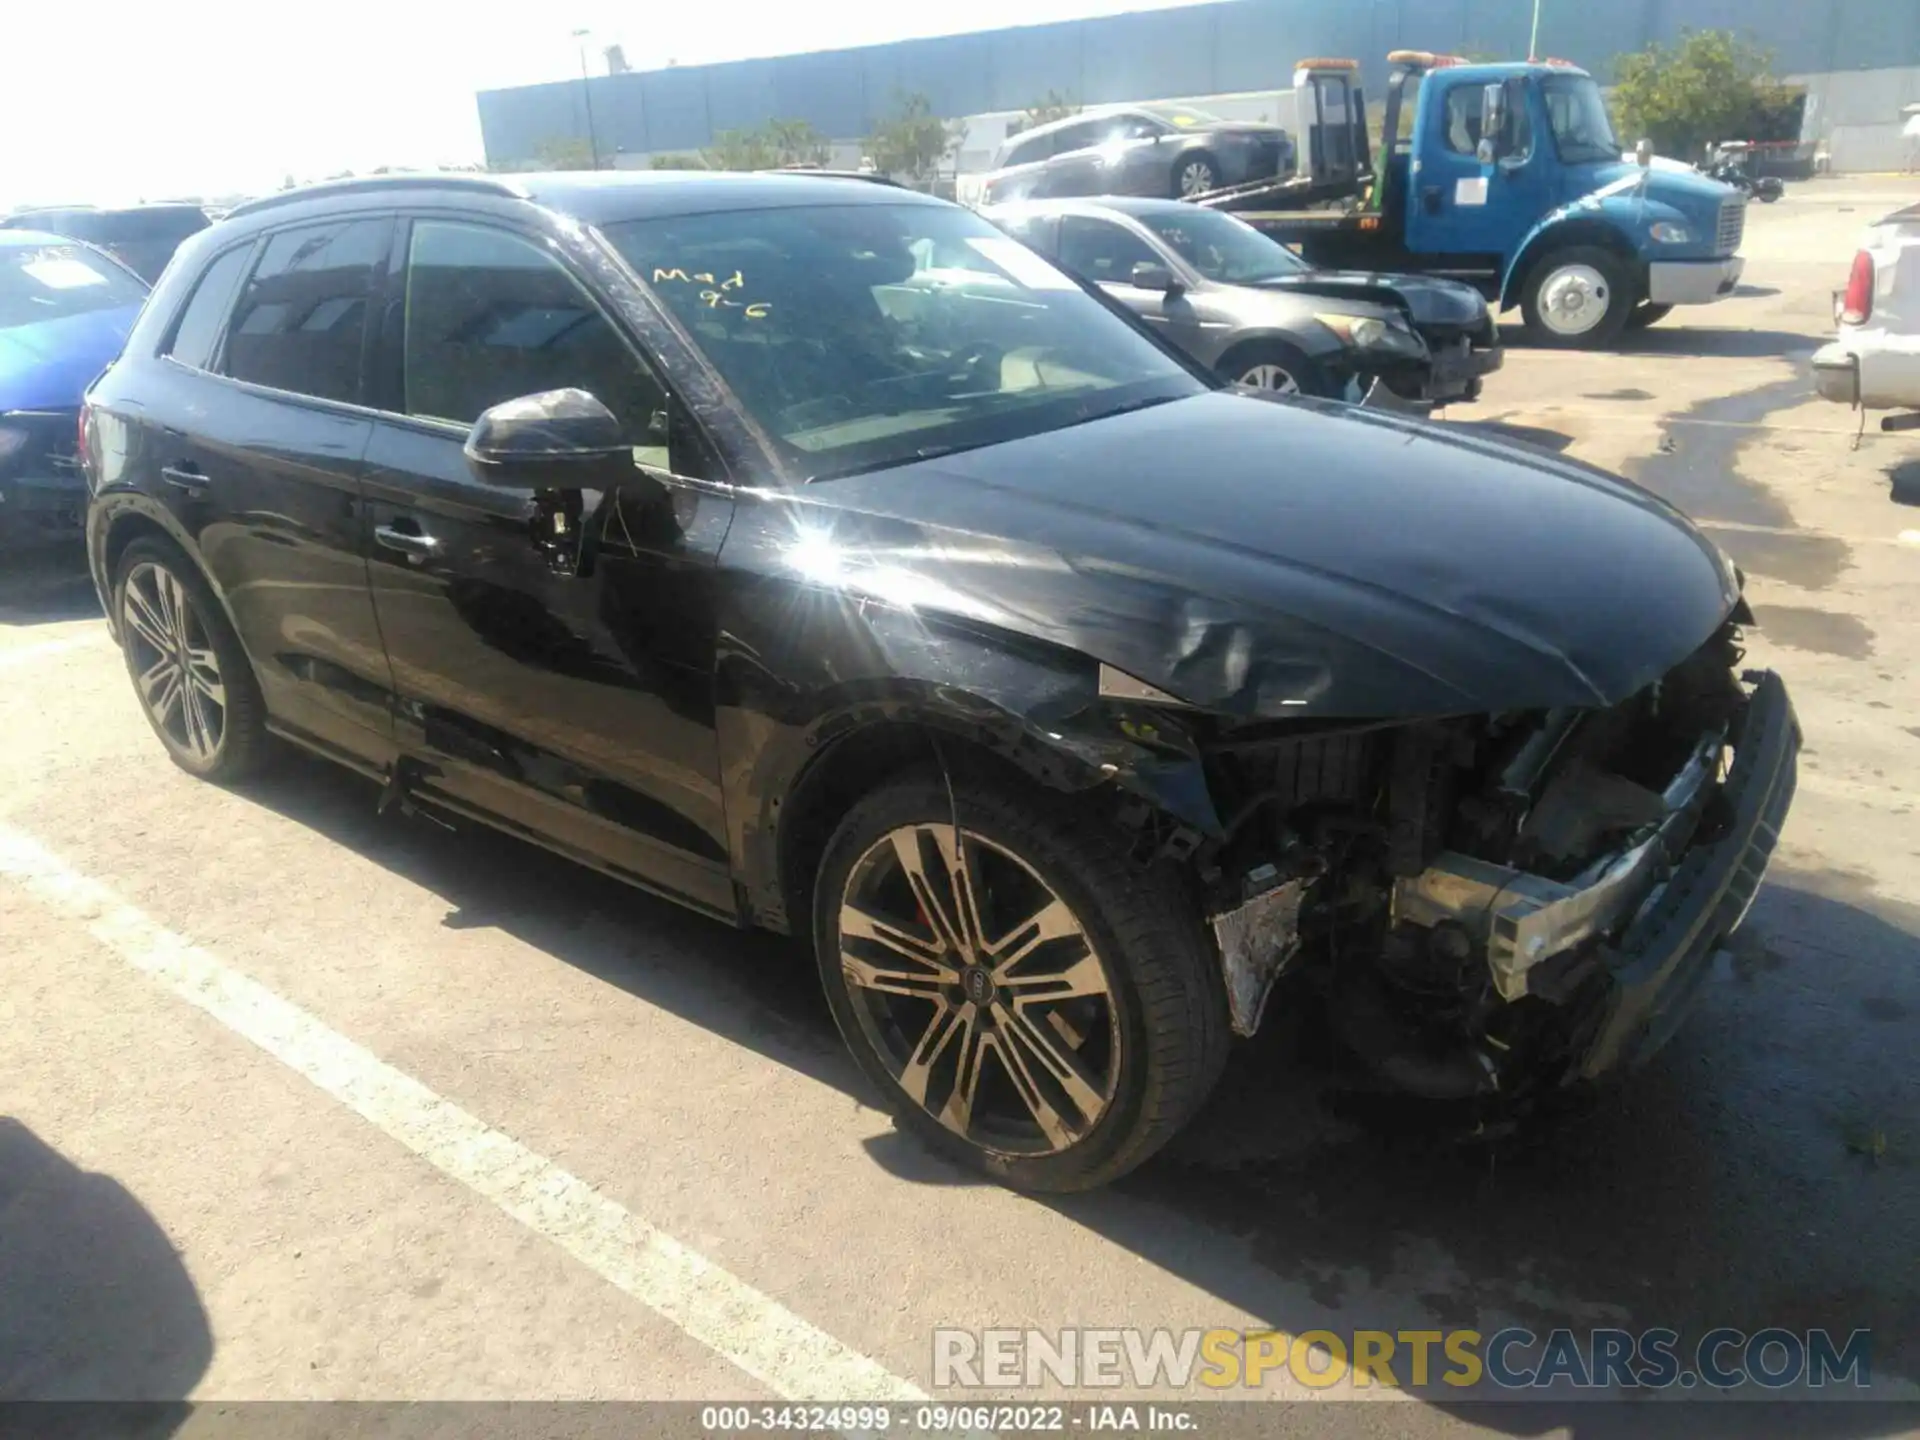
198	332
492	316
301	319
1465	121
1102	251
846	345
54	282
1225	250
1582	130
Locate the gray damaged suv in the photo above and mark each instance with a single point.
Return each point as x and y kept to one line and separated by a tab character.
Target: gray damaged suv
1246	306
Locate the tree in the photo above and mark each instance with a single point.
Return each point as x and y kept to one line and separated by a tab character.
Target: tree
1044	112
911	142
678	162
1684	97
777	143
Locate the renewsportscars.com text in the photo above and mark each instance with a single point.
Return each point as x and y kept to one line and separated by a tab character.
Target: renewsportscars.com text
1511	1359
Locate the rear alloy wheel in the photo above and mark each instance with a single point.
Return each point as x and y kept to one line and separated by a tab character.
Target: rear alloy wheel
1027	1005
1195	175
189	672
1577	298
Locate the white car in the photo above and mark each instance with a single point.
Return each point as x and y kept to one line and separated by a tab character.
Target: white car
1875	362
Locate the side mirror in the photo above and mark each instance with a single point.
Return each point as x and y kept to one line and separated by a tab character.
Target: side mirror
1148	276
1493	122
556	440
1643	154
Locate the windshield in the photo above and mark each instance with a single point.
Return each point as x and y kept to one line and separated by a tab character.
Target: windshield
868	335
1225	250
1183	117
1581	129
51	282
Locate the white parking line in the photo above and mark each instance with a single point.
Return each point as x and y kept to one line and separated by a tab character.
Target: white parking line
723	1312
42	648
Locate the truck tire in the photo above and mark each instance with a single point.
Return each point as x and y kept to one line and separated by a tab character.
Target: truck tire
1577	298
1647	313
1029	1000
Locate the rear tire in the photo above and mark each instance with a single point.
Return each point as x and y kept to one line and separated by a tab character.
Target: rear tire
1647	313
190	674
1577	298
1055	1041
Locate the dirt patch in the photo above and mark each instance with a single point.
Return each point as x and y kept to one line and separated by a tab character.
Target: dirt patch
1824	631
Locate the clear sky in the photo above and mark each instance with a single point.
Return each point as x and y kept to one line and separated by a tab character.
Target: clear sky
108	105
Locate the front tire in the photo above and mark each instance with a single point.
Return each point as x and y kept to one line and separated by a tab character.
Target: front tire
1031	1002
189	672
1578	298
1278	368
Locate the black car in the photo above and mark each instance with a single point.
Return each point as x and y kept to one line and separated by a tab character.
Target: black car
693	527
141	237
1171	151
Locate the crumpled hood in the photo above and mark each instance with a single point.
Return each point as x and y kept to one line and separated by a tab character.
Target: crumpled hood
1263	557
48	366
1426	300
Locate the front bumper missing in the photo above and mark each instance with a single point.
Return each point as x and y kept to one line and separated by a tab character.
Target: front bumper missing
1651	917
1656	969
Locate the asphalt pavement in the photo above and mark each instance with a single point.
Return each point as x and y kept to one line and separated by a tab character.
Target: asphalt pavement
306	1103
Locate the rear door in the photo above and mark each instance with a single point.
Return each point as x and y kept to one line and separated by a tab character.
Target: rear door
257	441
571	703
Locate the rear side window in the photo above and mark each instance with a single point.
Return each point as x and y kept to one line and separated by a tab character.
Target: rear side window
198	332
1023	151
491	316
302	317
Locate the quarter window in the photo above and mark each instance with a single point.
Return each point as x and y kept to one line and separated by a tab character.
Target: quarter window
198	332
301	319
491	316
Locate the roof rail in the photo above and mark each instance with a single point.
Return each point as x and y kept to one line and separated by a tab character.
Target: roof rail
373	184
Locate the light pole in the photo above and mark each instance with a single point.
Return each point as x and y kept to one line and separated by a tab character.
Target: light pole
586	97
1533	42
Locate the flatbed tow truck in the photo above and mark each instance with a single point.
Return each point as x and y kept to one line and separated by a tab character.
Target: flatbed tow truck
1508	177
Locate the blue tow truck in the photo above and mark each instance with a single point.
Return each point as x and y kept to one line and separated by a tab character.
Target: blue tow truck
1508	177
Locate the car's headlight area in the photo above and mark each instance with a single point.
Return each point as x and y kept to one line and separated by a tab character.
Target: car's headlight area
1372	332
1669	232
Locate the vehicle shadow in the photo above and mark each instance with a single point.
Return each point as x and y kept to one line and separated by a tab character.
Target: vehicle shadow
1760	1172
1904	476
45	584
1676	338
95	1304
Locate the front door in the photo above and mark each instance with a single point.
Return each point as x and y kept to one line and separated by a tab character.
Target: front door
1107	253
1463	207
554	675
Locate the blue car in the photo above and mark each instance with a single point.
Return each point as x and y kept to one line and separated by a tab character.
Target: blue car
65	311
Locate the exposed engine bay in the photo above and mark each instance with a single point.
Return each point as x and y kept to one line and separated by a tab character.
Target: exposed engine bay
1496	903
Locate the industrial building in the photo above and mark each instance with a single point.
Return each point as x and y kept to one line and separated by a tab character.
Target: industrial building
1858	59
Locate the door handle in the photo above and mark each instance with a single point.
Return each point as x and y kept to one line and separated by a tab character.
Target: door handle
184	477
408	542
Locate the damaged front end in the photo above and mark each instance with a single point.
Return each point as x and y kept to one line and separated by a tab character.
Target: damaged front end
1500	903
